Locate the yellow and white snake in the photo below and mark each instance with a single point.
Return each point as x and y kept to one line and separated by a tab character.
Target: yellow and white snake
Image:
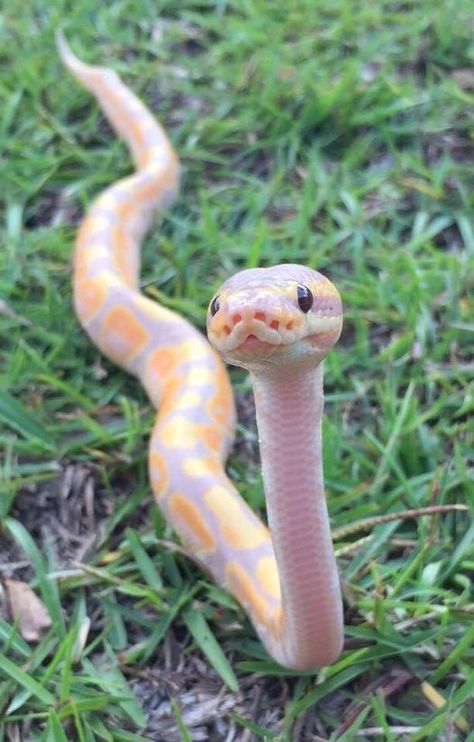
278	323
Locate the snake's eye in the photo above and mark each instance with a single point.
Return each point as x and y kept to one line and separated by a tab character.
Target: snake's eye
305	298
214	308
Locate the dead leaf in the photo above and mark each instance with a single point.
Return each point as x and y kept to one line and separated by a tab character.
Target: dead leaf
27	610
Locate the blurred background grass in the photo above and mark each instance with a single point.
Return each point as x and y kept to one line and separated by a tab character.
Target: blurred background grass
337	135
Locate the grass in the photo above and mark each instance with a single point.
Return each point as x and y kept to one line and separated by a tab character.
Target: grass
334	134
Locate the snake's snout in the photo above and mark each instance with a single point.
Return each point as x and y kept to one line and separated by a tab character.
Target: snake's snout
236	322
259	320
283	313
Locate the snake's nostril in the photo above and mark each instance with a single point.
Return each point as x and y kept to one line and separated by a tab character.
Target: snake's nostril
274	324
260	316
236	319
289	325
227	329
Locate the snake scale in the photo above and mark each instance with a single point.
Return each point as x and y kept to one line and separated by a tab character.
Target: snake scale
278	323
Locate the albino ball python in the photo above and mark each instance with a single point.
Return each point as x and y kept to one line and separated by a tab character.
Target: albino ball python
278	323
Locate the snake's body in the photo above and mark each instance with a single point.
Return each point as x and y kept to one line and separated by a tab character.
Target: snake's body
287	582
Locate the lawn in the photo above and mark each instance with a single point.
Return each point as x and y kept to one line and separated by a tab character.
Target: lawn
339	135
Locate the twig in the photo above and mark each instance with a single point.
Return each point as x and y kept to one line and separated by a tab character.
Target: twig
366	523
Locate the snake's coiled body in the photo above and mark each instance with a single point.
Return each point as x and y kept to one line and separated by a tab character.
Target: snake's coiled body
288	583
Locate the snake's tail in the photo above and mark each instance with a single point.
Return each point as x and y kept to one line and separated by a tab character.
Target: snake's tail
107	252
126	114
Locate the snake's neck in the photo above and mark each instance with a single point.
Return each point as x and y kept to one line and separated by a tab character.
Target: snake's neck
289	413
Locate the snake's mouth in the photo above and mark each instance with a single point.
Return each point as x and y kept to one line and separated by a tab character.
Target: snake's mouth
263	340
255	349
254	343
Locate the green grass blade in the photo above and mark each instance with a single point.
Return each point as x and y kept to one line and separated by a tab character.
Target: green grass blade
17	417
54	730
11	670
144	563
207	642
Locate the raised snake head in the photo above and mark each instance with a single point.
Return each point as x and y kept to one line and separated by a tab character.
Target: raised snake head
268	318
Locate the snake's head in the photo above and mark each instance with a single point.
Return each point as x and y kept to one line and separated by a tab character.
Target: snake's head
273	317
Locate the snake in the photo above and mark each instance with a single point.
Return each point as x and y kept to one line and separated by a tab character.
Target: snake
276	322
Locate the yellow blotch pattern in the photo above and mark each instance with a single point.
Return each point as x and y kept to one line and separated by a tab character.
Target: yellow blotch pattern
171	394
159	475
90	295
237	531
125	210
188	399
178	433
220	406
155	311
109	98
124	247
86	255
92	225
106	201
121	322
168	177
198	466
164	154
162	362
124	265
194	348
89	228
240	585
212	438
137	133
200	376
188	521
267	575
124	256
147	191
